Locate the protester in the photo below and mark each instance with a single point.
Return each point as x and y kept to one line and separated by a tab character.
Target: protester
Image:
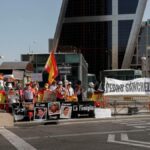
53	86
90	90
79	91
46	93
60	92
2	98
69	89
28	93
70	95
66	83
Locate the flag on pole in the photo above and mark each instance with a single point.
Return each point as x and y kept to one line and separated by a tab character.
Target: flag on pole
51	67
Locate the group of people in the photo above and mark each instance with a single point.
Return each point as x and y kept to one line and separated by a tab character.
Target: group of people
32	92
57	91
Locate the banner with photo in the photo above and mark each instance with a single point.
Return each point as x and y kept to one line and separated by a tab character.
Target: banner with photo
66	110
53	109
139	86
40	111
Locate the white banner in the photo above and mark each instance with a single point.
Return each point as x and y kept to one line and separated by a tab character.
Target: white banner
135	87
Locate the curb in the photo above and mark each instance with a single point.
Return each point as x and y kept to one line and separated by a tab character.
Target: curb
80	120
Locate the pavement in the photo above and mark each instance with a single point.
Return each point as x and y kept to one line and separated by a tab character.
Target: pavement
81	120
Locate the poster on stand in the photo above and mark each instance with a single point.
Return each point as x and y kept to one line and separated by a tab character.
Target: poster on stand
66	110
86	109
53	110
40	111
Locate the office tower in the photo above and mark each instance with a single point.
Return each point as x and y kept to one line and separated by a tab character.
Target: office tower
104	31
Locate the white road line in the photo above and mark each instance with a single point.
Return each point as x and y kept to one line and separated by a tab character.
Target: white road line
111	138
84	134
16	141
124	137
126	141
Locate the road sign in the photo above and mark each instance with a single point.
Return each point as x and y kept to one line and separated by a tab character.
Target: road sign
65	70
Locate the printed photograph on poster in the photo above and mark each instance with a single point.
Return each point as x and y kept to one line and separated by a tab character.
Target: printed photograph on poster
53	108
65	112
40	113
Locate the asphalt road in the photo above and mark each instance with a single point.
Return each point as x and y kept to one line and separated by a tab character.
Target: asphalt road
133	134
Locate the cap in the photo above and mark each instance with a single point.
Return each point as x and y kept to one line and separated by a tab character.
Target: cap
69	83
60	82
9	85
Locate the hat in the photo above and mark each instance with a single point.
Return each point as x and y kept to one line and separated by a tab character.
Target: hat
91	84
60	82
9	85
66	81
69	83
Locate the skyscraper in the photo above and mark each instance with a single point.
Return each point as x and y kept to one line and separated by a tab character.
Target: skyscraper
105	31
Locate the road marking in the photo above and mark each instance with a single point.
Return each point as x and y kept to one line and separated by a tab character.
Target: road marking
16	141
126	141
124	137
84	134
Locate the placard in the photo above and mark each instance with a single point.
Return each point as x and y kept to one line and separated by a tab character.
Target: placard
66	110
18	74
37	77
40	111
53	109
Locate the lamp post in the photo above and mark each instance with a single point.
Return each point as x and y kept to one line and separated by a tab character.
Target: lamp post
147	50
147	61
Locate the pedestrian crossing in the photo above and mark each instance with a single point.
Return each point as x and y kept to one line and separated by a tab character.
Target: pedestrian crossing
15	140
137	124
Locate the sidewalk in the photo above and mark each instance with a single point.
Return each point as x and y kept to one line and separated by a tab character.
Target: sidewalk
81	120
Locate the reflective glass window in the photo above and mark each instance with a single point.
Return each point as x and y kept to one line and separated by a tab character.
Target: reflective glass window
127	6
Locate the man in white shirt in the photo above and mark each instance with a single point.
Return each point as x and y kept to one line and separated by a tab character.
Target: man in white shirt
69	90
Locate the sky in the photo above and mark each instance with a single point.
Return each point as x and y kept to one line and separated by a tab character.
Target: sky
26	26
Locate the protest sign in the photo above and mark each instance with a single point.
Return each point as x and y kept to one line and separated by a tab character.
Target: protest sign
139	86
36	77
40	111
18	74
53	110
66	110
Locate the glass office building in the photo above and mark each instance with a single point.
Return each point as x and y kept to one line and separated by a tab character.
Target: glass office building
104	31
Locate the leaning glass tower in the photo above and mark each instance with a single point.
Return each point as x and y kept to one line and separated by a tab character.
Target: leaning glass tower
104	31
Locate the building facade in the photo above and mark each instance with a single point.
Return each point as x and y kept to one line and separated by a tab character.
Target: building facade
141	58
104	31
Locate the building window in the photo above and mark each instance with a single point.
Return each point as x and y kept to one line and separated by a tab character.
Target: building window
123	37
78	8
127	6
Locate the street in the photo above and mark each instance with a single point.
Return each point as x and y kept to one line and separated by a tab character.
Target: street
133	134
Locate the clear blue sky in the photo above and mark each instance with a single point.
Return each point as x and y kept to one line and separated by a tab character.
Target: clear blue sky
26	25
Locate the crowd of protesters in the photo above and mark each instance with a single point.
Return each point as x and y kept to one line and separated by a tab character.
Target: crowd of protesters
32	93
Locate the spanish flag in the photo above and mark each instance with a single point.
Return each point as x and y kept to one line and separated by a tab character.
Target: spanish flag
51	67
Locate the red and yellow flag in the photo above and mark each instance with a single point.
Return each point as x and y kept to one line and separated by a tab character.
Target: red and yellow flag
51	67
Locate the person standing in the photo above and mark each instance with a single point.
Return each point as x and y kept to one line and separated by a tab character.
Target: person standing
79	91
60	92
90	90
28	93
